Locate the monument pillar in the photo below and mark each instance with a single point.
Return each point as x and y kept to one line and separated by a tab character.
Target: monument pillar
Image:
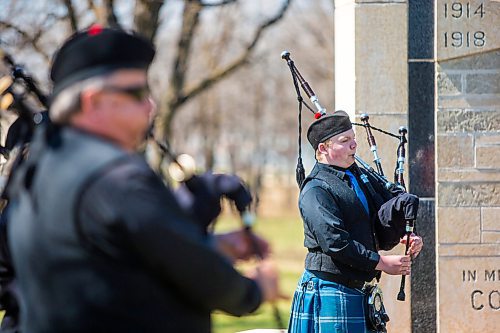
371	76
468	165
421	152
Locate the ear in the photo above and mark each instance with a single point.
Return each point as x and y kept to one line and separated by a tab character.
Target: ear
322	148
88	100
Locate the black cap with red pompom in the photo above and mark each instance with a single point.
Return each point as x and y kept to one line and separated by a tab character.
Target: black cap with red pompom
96	51
327	126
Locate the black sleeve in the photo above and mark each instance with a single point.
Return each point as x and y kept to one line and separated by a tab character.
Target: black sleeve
393	217
6	269
133	202
8	290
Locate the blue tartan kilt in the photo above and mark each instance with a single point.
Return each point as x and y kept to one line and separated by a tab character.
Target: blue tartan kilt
321	306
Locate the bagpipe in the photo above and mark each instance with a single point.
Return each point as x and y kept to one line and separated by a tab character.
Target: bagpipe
20	93
16	90
208	187
396	186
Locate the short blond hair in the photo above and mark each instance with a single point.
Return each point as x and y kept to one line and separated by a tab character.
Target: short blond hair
327	142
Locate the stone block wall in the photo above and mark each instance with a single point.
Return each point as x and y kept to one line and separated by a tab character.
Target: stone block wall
468	192
468	133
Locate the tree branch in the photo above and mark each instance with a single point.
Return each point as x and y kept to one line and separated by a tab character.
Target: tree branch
190	20
178	93
222	3
71	15
27	38
146	17
109	14
93	7
104	13
220	73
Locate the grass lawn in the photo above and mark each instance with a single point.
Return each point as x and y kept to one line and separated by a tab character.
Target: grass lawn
285	236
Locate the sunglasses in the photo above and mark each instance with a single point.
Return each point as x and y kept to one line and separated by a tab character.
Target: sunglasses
139	93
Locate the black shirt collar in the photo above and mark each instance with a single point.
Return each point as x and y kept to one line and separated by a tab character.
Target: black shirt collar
336	170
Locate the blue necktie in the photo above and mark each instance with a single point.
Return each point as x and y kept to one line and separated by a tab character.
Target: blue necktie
358	190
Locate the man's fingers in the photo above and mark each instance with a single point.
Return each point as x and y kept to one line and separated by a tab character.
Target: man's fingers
405	267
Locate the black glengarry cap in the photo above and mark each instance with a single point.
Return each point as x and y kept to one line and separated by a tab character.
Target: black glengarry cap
328	126
96	51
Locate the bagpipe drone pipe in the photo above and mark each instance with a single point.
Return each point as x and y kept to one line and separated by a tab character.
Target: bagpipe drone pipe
20	93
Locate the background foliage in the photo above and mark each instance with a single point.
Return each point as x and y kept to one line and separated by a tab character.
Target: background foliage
225	95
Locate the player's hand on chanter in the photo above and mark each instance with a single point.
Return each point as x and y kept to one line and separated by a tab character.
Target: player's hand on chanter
394	264
416	245
266	276
242	245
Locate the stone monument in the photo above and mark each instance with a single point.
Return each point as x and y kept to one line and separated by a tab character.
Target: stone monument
468	165
434	66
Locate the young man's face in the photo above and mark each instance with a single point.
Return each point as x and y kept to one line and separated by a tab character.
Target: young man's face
339	150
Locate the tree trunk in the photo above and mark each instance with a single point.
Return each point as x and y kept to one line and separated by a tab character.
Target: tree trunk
175	95
146	17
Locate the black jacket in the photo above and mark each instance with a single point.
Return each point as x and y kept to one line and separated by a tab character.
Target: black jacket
101	245
341	238
8	288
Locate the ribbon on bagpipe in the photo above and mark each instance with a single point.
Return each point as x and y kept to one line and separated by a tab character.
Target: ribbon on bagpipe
398	185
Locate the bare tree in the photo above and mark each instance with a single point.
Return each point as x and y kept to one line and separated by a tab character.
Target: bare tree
217	65
250	118
146	17
146	21
179	91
